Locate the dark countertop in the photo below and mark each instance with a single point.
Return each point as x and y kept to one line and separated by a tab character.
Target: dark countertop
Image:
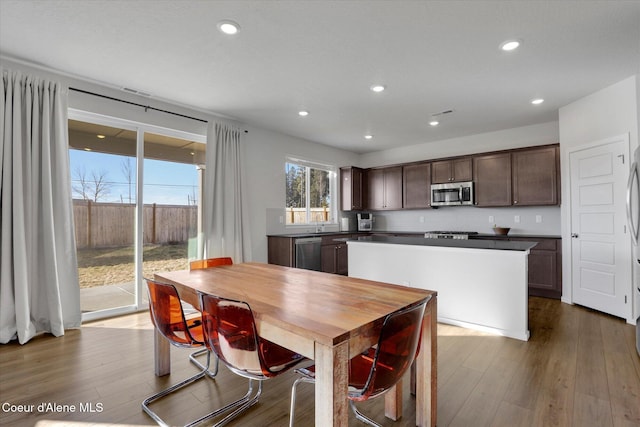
516	236
498	244
416	233
320	234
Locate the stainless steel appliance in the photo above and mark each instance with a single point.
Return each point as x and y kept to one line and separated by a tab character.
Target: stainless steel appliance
308	253
365	221
458	235
452	194
633	220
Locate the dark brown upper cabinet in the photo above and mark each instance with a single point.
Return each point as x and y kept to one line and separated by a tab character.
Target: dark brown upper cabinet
518	177
384	188
492	177
535	176
416	186
351	189
453	170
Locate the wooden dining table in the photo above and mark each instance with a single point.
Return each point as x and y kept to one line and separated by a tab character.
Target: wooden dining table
324	317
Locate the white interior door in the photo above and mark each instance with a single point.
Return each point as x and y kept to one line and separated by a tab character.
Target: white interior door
600	247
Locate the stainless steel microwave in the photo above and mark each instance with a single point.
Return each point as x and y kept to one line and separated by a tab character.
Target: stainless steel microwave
452	194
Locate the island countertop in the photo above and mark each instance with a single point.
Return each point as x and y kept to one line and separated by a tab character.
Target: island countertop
498	244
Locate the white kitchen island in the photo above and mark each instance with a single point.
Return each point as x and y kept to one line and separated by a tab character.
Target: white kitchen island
481	284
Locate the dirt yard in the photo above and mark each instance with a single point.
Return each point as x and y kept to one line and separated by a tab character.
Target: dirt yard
113	266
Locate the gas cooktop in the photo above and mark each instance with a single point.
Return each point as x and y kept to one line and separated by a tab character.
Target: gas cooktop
449	234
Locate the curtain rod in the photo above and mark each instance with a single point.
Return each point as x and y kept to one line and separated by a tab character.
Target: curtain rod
146	107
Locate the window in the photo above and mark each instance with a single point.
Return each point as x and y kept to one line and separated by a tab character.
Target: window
309	192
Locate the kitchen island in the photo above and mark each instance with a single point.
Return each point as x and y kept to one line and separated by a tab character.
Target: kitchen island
481	284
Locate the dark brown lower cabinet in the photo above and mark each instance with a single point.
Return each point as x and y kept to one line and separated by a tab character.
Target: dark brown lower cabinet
334	258
333	255
545	268
545	265
280	251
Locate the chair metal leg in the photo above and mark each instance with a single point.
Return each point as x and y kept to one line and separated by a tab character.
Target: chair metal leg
360	416
193	358
242	404
293	396
204	372
165	392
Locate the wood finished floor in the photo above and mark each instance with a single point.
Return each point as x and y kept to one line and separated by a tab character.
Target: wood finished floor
579	368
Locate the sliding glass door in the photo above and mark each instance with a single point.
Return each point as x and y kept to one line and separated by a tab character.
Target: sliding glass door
171	185
136	192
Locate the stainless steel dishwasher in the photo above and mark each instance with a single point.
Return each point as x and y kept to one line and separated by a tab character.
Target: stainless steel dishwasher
308	253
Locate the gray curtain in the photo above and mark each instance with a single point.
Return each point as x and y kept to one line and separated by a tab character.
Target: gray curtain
39	290
225	223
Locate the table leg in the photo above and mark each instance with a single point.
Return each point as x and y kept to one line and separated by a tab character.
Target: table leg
393	402
332	381
427	369
161	354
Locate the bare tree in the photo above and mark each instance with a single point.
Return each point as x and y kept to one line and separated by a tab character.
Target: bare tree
81	186
127	171
92	188
100	185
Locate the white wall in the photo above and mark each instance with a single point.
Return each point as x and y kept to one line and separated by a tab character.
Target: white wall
526	136
266	152
610	112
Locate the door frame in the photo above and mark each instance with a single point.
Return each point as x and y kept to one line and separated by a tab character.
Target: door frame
140	128
567	247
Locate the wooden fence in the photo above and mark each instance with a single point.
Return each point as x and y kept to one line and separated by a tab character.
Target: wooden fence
299	215
100	225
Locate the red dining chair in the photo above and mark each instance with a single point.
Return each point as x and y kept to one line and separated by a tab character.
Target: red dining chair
168	318
378	369
210	262
197	265
230	332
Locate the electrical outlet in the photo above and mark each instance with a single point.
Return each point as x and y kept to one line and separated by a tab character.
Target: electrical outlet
421	219
538	219
492	220
516	219
281	219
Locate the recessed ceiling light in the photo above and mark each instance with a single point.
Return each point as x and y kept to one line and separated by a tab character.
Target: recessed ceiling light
368	136
537	101
377	88
303	113
228	27
100	136
510	45
434	122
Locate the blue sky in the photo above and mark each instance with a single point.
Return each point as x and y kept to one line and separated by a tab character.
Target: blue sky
165	182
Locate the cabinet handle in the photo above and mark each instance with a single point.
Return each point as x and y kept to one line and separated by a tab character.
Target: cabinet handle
515	202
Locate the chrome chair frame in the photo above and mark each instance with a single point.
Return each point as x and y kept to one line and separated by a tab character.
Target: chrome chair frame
197	265
309	376
204	372
247	401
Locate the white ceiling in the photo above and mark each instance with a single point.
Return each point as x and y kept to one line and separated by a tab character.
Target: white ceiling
323	56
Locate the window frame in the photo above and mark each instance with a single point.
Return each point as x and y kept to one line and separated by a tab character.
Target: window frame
333	208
